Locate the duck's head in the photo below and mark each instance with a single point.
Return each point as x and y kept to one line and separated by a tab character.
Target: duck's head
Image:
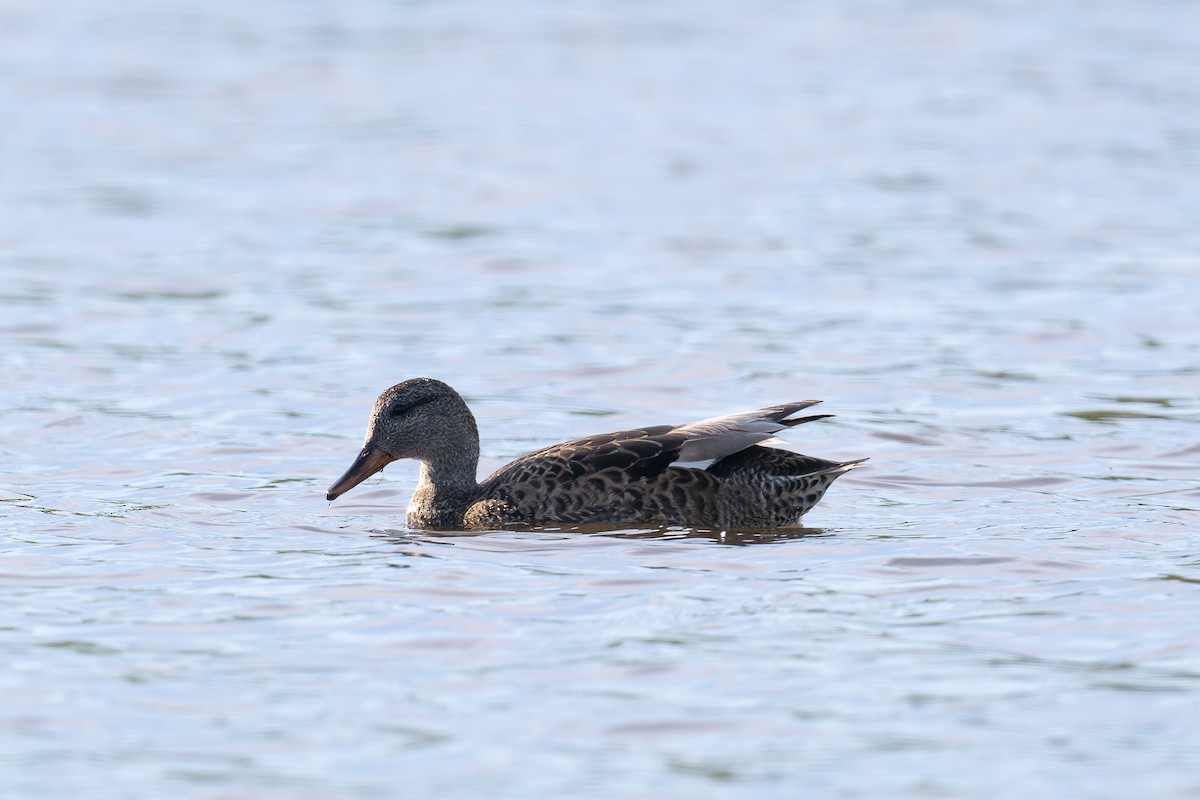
421	418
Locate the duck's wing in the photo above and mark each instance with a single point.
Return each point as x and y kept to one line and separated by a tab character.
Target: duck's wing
712	439
647	452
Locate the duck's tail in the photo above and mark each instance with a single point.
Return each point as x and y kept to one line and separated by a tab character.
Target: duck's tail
765	486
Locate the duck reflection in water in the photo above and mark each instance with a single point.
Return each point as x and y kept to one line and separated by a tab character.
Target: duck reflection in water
538	535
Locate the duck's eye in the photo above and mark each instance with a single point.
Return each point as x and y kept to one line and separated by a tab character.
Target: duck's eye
399	410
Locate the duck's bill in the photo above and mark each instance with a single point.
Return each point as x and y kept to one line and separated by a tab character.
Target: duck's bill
369	461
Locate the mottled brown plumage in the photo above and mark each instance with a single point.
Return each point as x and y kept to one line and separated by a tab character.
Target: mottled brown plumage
634	477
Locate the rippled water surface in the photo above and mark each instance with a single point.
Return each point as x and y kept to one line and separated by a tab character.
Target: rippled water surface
973	229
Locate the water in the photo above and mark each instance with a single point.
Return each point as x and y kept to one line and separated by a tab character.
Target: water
970	229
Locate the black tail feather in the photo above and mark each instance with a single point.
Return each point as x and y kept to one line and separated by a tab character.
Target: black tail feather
799	420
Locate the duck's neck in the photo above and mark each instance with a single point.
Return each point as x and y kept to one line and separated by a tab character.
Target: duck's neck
445	489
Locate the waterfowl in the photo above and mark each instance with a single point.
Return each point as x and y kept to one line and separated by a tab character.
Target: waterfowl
636	477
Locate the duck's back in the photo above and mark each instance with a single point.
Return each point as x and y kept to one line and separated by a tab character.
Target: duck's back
631	477
609	477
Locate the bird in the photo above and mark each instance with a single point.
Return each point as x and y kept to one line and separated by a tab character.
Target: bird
714	473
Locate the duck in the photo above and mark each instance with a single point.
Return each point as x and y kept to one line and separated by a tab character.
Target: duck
713	473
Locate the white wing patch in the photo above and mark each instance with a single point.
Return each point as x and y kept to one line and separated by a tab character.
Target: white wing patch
715	438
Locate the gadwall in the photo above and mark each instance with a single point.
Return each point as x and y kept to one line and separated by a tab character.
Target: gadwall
647	476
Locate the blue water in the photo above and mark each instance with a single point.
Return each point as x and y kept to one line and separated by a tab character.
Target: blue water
972	230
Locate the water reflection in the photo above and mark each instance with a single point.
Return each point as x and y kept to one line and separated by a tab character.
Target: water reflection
733	537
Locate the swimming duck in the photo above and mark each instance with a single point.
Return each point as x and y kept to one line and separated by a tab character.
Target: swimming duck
645	476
